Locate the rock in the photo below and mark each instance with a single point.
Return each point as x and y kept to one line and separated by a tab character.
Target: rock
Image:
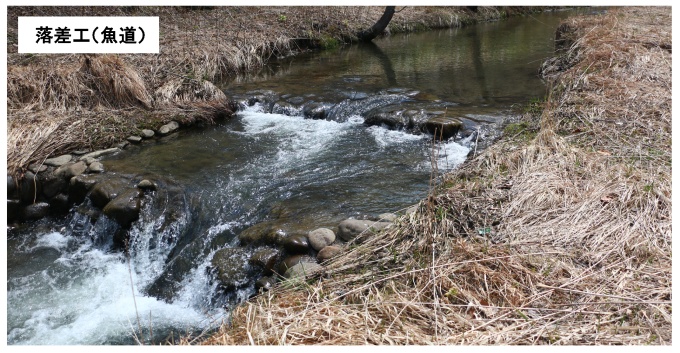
388	217
285	108
296	244
13	210
69	170
146	133
97	154
393	119
314	111
96	167
135	139
443	126
265	258
320	238
265	283
52	184
58	161
30	188
124	209
89	160
122	145
231	267
350	228
107	190
36	210
59	204
291	261
261	233
12	187
80	185
37	168
146	184
81	152
327	253
168	128
302	270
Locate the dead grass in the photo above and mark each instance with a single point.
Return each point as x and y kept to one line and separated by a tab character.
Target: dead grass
580	248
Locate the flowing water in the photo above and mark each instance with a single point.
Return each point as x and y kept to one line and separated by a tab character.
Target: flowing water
67	283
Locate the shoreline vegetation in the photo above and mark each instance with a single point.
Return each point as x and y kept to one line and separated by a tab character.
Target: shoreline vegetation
558	234
61	103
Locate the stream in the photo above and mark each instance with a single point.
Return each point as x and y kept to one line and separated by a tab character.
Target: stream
309	147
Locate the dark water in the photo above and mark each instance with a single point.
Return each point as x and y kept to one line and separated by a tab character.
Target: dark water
66	286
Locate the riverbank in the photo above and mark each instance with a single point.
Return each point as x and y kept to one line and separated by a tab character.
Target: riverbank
61	103
558	234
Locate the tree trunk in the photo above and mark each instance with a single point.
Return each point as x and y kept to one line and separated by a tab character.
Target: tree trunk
378	27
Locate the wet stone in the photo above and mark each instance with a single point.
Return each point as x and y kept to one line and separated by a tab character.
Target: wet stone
30	188
80	185
231	267
146	185
291	261
296	244
265	283
124	209
265	258
36	210
59	204
13	210
96	167
107	190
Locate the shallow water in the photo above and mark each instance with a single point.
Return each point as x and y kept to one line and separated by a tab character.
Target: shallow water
68	285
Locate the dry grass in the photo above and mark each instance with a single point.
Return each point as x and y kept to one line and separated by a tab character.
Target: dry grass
580	249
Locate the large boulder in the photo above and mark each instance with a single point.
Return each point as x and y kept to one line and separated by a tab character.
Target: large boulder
107	190
124	209
315	111
351	228
51	184
231	267
320	238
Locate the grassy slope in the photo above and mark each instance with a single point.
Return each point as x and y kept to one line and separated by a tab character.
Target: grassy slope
578	200
59	103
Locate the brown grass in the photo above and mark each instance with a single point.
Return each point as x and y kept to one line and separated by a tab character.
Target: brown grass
580	248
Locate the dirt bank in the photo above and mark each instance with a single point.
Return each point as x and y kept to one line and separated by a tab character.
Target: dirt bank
558	234
60	103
